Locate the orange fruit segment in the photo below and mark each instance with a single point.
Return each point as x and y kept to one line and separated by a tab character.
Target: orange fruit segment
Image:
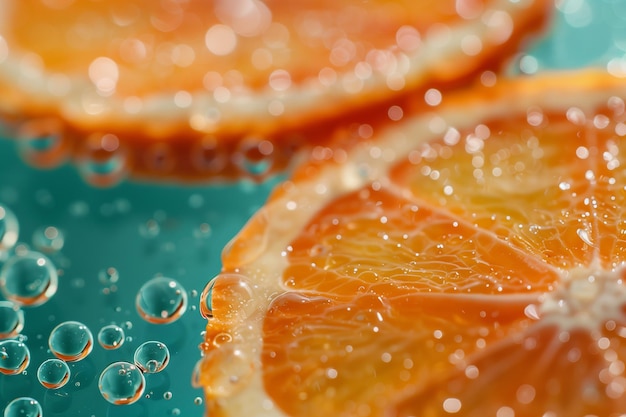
467	260
228	89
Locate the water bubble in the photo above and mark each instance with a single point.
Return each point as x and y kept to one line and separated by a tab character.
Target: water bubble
161	300
152	357
42	142
9	229
197	401
23	407
203	231
48	239
108	276
150	229
121	383
11	319
111	336
14	357
28	278
102	161
70	341
53	373
206	307
255	157
167	395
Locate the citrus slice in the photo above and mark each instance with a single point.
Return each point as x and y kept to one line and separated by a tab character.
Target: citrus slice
466	261
227	88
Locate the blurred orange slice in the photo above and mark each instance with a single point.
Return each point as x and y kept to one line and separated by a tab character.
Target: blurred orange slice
228	88
467	261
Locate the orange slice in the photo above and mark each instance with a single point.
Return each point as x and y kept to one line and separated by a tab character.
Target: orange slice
466	261
228	88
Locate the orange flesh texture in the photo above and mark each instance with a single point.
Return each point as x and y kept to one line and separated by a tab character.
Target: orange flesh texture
161	44
409	299
151	49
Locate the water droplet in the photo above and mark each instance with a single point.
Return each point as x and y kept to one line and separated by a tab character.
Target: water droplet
255	157
102	162
23	407
14	357
53	373
28	278
11	319
9	230
48	239
70	341
234	293
152	357
42	142
108	276
121	383
111	337
206	307
149	229
203	231
161	300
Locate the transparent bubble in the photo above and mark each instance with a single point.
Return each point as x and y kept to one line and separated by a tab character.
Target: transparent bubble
53	373
206	307
152	357
197	401
23	407
108	276
70	341
111	336
28	278
48	239
102	162
255	157
14	357
9	229
161	300
121	383
11	319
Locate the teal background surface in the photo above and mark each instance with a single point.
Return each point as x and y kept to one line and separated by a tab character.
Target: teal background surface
108	228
